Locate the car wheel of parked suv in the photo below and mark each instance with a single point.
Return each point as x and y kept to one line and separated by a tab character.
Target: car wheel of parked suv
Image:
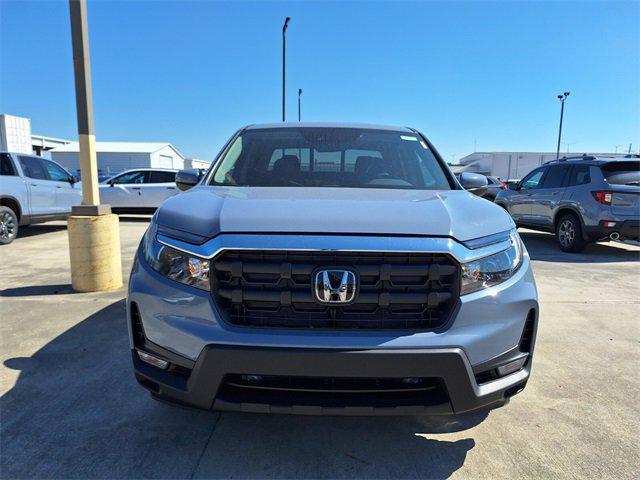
8	225
569	234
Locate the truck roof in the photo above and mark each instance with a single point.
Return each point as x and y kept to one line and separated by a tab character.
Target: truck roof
366	126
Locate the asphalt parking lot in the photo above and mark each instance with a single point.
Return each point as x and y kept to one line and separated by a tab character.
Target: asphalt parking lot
70	407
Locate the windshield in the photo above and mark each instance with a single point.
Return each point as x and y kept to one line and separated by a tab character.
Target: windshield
330	157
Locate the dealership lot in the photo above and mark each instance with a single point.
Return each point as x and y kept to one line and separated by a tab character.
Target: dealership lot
71	408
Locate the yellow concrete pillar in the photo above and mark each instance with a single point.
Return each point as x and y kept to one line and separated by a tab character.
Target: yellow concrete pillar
94	248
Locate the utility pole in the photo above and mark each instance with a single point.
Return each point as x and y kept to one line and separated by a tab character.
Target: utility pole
284	65
94	233
629	152
562	98
616	147
299	108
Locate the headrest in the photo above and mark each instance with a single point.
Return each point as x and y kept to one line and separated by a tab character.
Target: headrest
287	163
363	163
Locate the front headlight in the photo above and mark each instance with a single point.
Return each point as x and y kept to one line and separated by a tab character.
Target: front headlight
174	264
493	269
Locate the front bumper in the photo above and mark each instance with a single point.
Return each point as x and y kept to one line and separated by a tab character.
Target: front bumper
207	387
181	325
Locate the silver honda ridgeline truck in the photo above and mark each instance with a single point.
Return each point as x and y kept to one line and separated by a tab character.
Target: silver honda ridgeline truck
332	269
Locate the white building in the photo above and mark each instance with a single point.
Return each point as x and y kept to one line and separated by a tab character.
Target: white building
510	165
15	134
115	157
196	163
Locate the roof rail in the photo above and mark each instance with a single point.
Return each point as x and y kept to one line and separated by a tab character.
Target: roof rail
584	156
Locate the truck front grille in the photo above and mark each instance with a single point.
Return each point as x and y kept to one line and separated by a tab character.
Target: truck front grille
264	288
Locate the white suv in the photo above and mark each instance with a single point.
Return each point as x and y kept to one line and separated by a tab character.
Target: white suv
141	189
33	190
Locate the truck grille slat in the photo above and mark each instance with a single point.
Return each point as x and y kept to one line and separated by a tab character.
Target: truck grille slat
262	288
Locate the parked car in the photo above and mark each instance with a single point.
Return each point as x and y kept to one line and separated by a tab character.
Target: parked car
493	187
582	199
138	190
33	190
332	269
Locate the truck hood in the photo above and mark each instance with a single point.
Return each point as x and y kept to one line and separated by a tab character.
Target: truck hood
207	211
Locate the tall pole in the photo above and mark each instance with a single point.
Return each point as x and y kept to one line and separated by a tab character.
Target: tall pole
94	233
562	98
629	149
284	65
84	102
299	106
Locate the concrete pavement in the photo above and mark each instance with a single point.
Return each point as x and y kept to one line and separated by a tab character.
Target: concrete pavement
71	408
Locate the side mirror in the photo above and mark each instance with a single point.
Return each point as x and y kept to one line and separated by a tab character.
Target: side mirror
187	178
514	186
73	179
474	183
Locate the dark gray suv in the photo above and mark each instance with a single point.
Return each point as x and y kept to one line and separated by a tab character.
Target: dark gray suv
582	199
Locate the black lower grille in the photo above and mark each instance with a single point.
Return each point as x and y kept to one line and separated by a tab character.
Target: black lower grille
261	288
333	391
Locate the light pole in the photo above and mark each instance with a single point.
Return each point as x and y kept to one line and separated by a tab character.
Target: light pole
94	233
299	109
616	147
562	98
284	64
568	144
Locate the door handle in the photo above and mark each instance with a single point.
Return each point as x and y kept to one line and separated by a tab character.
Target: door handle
171	188
34	184
135	188
58	186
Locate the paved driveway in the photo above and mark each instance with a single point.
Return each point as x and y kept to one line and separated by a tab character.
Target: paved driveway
71	408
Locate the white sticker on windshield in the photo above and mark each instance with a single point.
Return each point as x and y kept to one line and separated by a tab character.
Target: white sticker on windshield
405	137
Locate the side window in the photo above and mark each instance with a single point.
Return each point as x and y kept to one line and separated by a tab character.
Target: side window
131	177
580	175
532	180
555	176
33	168
162	177
6	165
56	172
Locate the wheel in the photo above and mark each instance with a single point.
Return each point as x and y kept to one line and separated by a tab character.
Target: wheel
8	225
569	234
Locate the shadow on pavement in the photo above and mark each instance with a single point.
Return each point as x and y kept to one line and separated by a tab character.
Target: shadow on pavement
544	247
128	217
76	411
40	229
37	290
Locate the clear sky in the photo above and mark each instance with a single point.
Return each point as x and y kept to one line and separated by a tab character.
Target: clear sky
192	73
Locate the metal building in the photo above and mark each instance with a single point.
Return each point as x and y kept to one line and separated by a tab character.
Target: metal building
510	165
115	157
196	163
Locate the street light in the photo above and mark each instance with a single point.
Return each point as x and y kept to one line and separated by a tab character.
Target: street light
299	95
562	98
284	64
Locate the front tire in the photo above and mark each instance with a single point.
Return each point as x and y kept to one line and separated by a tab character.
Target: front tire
569	234
8	225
